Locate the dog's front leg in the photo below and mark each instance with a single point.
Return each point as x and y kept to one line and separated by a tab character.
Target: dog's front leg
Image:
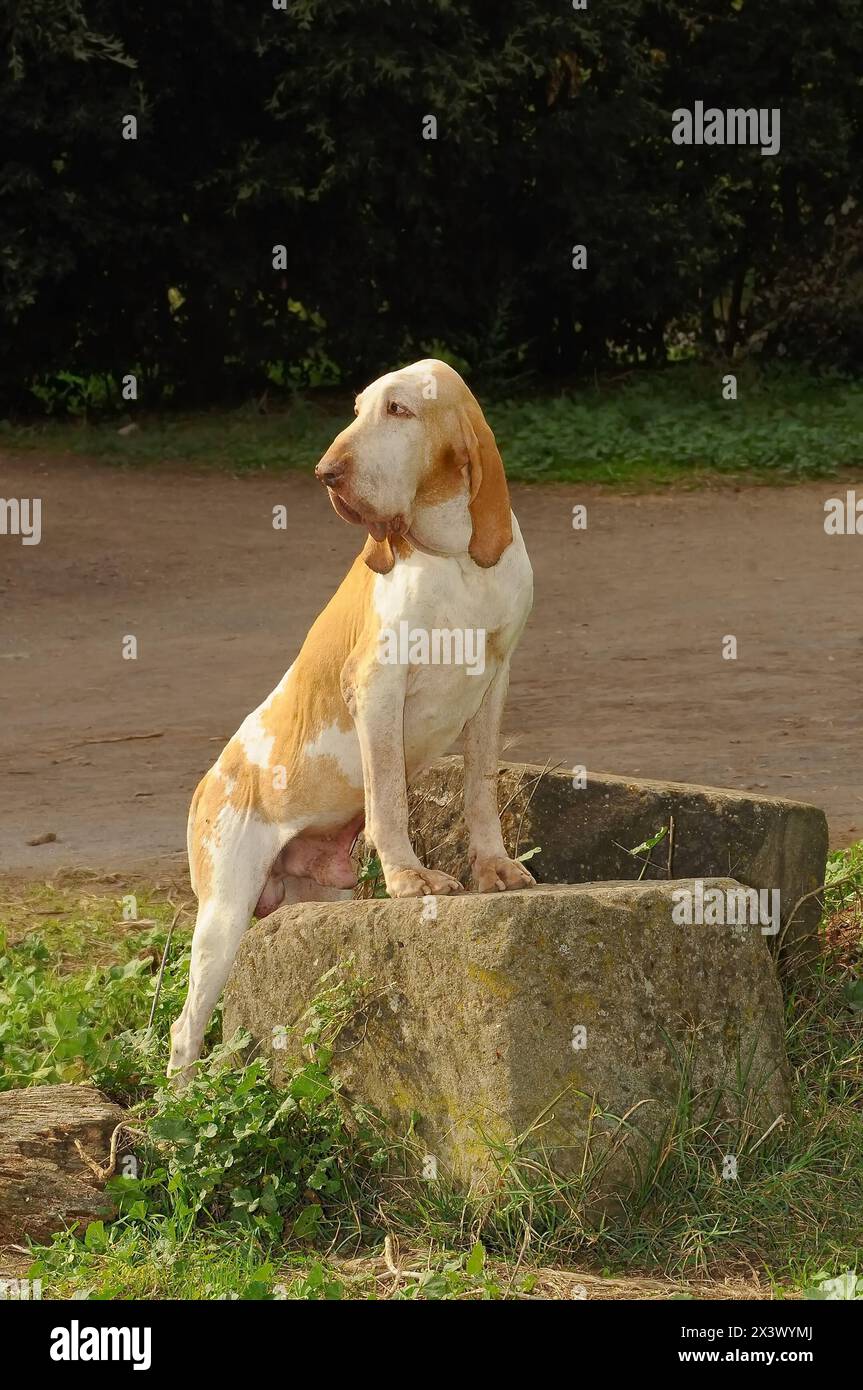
376	699
492	869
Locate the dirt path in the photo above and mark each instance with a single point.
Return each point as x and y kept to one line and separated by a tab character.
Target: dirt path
620	668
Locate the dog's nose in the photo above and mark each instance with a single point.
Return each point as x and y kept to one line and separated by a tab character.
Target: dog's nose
329	471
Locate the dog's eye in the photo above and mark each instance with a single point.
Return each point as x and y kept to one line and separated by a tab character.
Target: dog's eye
395	409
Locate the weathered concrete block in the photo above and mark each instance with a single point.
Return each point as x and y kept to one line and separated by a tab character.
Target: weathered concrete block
765	842
45	1185
477	1016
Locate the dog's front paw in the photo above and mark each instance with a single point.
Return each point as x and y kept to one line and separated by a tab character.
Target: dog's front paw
180	1079
497	873
421	883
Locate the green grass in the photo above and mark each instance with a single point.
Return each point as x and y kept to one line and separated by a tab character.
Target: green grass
243	1190
645	429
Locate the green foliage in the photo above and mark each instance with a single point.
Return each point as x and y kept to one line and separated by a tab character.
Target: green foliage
144	1257
230	1148
812	311
59	1027
848	1285
654	428
643	851
844	879
155	255
371	878
674	425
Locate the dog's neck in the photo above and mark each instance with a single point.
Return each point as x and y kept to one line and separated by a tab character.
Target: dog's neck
442	529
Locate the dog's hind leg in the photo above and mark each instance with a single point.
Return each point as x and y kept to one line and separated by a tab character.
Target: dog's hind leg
230	867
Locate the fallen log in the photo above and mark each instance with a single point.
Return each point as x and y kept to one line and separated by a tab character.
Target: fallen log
46	1183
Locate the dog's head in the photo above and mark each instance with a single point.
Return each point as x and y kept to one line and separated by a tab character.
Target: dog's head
420	462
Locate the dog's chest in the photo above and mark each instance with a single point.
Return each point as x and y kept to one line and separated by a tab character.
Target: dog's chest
437	591
451	625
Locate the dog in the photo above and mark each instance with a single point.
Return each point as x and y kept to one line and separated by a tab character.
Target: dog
336	744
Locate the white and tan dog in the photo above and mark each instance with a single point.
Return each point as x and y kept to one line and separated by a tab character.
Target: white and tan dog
344	732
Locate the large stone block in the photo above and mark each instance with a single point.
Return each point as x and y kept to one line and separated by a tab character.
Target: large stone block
476	1017
585	833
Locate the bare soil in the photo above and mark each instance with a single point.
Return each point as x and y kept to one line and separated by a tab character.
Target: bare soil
620	668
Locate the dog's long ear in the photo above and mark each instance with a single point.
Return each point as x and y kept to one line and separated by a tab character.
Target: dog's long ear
378	555
489	495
